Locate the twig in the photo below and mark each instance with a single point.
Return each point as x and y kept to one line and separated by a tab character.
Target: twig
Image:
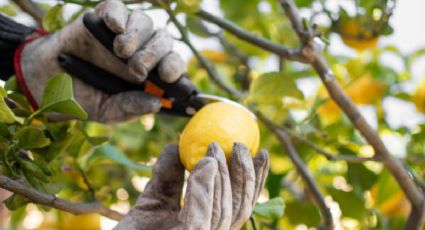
318	62
30	8
253	222
287	144
291	54
87	182
202	60
38	197
318	149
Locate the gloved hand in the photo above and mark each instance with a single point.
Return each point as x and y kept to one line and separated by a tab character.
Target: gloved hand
217	196
135	40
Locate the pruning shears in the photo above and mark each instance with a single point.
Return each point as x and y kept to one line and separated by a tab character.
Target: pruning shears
180	98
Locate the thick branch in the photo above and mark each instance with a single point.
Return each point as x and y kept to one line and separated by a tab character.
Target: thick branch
344	102
28	7
291	54
38	197
416	219
287	144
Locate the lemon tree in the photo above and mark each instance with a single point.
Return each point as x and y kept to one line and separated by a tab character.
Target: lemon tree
88	162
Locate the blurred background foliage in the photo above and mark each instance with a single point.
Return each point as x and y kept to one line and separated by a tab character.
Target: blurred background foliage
86	161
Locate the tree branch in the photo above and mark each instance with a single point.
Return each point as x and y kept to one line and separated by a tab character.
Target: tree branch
38	197
202	60
318	62
30	8
318	149
287	144
291	54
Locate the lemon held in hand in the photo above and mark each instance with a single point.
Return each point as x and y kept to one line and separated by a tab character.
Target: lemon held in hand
219	122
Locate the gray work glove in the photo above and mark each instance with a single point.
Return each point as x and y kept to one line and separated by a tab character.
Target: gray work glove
136	41
217	196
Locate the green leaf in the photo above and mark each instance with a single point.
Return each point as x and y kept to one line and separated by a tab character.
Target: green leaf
58	97
113	153
386	187
271	88
32	170
387	30
273	184
6	114
361	177
31	137
53	20
195	26
9	10
4	130
302	213
303	3
17	217
15	201
351	203
188	6
11	84
272	209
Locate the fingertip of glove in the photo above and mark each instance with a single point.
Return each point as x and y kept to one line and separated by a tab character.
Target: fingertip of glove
239	148
121	48
261	160
170	154
214	150
171	149
262	155
138	71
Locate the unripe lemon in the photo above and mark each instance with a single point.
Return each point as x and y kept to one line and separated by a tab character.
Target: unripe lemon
219	122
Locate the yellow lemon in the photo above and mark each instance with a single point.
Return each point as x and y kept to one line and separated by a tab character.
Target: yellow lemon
364	90
419	97
215	57
81	222
68	221
396	205
219	122
356	36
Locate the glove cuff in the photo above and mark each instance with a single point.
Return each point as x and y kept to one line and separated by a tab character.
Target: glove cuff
18	69
12	34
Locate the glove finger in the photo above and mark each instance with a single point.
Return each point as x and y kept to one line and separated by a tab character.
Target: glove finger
138	30
242	177
261	166
222	206
165	187
114	14
127	105
161	197
198	201
171	67
148	57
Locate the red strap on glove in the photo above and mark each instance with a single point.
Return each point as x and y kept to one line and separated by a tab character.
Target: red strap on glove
17	64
